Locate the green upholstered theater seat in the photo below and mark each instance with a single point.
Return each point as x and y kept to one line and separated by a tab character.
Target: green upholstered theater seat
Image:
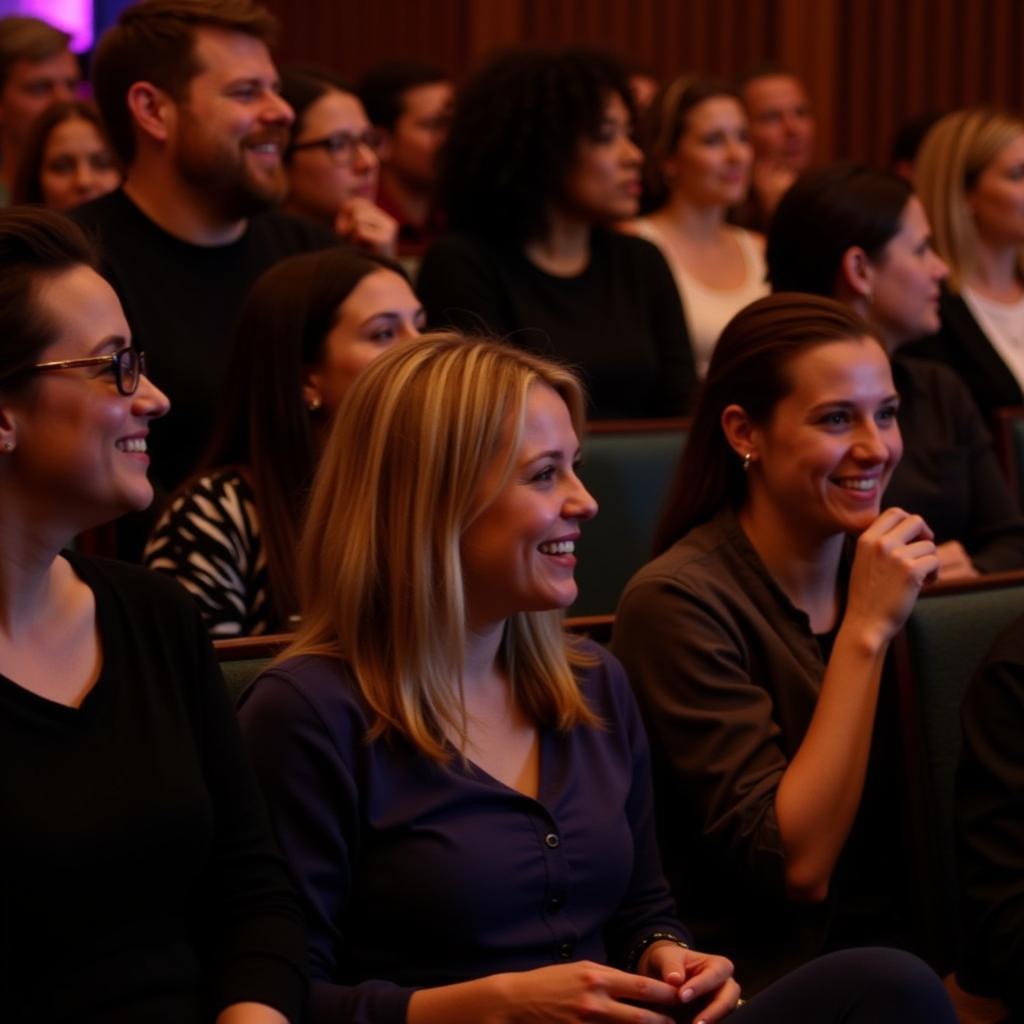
944	641
242	659
627	466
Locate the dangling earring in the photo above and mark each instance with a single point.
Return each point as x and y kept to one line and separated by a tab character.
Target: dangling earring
747	459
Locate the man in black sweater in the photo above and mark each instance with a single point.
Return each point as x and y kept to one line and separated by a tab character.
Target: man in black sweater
190	95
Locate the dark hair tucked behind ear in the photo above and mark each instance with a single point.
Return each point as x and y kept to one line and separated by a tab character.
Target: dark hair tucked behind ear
264	423
748	369
825	213
34	244
302	87
516	133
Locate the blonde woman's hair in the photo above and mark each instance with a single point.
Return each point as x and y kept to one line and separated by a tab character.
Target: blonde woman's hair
953	155
380	569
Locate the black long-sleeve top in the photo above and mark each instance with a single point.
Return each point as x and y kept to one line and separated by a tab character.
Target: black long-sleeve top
949	473
619	322
139	880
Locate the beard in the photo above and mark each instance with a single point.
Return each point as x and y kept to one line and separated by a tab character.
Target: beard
222	172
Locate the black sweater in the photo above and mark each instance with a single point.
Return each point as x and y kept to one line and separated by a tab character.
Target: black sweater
139	880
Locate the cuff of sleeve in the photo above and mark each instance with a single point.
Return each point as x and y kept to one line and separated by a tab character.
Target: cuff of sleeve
268	980
371	1002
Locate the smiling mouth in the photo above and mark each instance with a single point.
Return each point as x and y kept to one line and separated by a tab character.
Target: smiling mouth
860	484
558	547
131	444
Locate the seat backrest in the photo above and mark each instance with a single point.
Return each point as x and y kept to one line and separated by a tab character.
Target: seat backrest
627	467
242	659
944	641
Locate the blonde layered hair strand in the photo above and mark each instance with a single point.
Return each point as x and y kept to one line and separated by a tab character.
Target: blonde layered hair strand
380	569
954	153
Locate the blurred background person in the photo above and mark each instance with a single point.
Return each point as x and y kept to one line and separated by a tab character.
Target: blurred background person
67	159
310	326
332	161
36	68
907	142
539	167
782	134
861	236
411	105
697	165
969	175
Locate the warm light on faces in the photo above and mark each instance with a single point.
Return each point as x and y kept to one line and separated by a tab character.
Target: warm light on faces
319	184
80	445
712	160
77	165
518	554
31	86
604	183
419	132
781	123
906	281
823	459
997	199
231	131
379	312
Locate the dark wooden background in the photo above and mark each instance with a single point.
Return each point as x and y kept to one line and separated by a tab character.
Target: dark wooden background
869	64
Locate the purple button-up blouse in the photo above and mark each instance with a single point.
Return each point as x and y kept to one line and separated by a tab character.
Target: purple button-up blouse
415	874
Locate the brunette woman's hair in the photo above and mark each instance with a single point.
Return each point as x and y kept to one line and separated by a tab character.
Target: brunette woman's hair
35	246
825	213
27	187
264	423
748	368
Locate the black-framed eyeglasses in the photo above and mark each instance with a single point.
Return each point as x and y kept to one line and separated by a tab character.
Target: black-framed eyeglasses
129	366
341	146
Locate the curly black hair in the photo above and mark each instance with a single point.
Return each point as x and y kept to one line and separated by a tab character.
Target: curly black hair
518	124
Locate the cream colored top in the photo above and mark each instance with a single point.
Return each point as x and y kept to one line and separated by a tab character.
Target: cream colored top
708	310
1003	324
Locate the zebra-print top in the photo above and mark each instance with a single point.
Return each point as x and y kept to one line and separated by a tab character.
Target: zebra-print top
209	540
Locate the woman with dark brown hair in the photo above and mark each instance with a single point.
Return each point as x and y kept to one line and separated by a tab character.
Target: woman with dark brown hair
756	639
310	325
67	159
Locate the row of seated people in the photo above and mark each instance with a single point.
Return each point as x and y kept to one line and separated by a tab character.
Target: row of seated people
529	255
461	794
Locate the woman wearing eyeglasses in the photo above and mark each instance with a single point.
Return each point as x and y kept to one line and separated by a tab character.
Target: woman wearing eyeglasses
332	162
138	879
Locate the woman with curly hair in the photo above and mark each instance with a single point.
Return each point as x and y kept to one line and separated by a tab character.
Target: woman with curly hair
539	164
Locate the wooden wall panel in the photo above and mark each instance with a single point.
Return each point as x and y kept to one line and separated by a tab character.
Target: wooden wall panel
868	64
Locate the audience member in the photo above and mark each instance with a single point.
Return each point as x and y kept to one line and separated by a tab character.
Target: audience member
782	134
411	105
190	97
462	791
67	159
861	236
970	177
36	69
310	325
698	166
757	636
332	161
140	881
907	143
539	164
643	84
990	825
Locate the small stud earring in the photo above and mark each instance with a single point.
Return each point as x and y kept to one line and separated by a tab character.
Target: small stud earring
313	403
8	446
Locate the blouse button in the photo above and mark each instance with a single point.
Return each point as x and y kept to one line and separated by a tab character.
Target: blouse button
565	950
554	903
551	841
